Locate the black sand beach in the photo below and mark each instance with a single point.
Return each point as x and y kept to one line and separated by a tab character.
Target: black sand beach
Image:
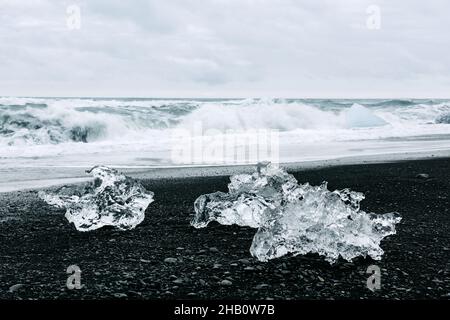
37	244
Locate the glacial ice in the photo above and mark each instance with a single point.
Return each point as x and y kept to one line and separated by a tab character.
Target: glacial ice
296	218
358	116
112	199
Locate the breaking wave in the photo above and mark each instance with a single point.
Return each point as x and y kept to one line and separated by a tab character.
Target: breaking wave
281	116
445	118
41	121
24	127
54	121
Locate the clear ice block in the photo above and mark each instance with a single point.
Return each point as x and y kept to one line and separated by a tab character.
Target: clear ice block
112	199
296	218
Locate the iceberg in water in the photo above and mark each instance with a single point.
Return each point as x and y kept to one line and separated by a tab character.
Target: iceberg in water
359	116
112	199
296	218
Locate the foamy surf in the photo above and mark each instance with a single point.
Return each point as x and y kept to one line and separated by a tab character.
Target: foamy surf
84	132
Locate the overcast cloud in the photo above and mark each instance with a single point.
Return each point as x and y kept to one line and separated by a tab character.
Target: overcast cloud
225	48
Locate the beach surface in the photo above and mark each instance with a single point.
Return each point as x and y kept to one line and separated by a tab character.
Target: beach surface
37	244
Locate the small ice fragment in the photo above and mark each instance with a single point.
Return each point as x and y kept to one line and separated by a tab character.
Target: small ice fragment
296	218
112	199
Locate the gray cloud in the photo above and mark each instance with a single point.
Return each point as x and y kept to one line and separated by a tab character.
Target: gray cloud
223	48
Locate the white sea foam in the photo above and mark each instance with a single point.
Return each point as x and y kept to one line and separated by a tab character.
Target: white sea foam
34	121
138	132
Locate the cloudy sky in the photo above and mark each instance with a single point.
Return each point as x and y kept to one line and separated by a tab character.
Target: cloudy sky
225	48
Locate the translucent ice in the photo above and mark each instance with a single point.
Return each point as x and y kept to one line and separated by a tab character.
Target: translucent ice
296	218
112	199
252	200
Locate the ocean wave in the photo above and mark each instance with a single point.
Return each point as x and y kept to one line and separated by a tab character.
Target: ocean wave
395	102
251	114
23	128
30	121
445	118
41	121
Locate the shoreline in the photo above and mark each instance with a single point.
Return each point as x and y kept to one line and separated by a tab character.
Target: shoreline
71	175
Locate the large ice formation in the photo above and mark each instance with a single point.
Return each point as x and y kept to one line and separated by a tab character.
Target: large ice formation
296	218
112	199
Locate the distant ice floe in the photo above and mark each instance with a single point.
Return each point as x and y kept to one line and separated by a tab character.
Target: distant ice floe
359	116
296	218
112	199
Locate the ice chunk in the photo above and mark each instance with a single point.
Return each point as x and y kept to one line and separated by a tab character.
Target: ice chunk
243	210
296	218
325	222
251	200
359	116
112	199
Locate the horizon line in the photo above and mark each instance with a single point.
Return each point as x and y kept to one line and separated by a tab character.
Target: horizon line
225	98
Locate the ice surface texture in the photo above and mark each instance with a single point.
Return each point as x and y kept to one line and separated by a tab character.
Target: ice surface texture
296	218
112	199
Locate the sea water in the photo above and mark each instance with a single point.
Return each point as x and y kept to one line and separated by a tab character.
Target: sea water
39	137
